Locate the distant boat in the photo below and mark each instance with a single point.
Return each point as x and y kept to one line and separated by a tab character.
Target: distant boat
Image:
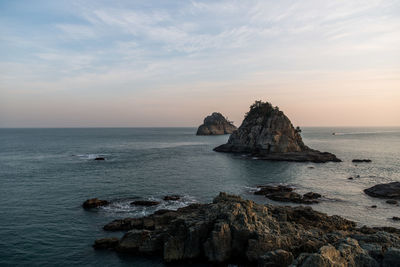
333	133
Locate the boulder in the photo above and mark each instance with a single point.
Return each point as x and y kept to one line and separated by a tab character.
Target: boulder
216	124
390	190
268	134
94	203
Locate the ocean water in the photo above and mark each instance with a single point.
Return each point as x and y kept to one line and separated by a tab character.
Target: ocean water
46	174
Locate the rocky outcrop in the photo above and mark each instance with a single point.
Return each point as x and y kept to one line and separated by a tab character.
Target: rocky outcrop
268	134
390	190
94	203
234	230
216	124
285	194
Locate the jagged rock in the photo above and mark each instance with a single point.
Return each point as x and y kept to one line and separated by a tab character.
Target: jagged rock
362	160
106	243
94	203
235	230
392	201
268	134
146	203
390	190
216	124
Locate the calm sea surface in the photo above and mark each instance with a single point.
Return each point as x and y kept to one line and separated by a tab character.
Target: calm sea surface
46	174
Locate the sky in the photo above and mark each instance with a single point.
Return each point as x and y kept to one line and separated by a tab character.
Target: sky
171	63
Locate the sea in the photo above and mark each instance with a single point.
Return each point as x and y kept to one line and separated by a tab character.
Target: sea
46	175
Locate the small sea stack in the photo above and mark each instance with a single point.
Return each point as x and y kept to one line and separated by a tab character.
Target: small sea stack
267	133
216	124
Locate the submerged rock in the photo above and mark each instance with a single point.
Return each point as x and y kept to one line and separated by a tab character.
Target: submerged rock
268	134
361	160
216	124
94	203
172	197
235	230
390	190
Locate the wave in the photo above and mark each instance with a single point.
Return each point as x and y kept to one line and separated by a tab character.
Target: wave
90	156
124	208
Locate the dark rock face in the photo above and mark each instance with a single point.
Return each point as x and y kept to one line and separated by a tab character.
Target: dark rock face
216	124
390	190
94	203
240	231
285	194
361	160
146	203
267	133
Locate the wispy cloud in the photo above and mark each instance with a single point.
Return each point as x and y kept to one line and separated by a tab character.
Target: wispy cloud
136	47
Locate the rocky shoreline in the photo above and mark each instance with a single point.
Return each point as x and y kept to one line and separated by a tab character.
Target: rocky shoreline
234	230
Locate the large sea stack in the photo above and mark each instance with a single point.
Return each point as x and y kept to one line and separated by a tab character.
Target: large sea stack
216	124
267	133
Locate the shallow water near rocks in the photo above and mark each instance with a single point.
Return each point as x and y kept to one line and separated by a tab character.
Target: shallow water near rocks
46	174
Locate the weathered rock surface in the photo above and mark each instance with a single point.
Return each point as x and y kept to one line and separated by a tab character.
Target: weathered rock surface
216	124
94	203
284	193
268	134
390	190
235	230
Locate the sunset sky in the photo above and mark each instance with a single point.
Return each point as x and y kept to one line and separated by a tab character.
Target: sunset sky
171	63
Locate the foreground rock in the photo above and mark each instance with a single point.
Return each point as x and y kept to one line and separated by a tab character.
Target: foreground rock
216	124
94	203
233	230
285	194
390	190
268	134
